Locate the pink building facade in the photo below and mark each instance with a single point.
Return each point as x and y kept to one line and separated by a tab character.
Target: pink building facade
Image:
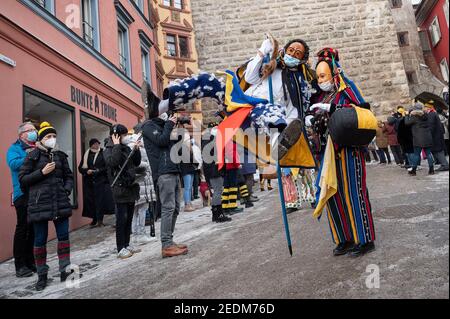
433	21
78	64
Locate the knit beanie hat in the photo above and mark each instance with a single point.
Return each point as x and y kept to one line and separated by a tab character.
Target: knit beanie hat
118	129
45	129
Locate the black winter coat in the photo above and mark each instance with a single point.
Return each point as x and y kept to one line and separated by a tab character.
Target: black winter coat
210	168
404	135
96	190
421	130
48	194
437	132
126	190
158	145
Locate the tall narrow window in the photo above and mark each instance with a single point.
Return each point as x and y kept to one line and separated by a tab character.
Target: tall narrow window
90	23
140	4
123	50
435	32
145	65
446	11
444	69
403	39
178	4
171	45
184	47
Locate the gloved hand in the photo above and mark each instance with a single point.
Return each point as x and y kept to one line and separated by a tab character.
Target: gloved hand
266	47
308	119
321	106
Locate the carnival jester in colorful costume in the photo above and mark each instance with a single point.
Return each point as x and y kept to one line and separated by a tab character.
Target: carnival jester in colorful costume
341	183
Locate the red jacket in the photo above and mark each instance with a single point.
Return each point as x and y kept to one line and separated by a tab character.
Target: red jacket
389	130
231	156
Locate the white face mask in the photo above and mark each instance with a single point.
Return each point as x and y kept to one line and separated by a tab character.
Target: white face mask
126	140
327	86
50	143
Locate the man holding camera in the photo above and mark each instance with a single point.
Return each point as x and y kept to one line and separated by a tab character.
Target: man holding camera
166	176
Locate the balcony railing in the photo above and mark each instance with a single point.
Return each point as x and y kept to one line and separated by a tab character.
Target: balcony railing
123	63
88	33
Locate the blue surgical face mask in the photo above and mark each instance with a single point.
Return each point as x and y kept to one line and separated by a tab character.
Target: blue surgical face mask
32	136
290	61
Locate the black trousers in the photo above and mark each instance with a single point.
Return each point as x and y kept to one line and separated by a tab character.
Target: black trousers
124	219
398	155
196	184
23	236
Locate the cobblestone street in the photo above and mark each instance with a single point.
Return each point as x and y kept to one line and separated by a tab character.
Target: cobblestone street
248	257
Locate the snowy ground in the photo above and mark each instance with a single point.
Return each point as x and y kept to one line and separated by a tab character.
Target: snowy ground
248	257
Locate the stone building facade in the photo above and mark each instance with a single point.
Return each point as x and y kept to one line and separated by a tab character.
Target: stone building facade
364	31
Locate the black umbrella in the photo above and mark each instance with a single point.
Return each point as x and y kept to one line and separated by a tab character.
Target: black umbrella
438	102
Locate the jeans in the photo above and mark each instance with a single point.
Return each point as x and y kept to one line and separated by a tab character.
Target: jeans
188	181
169	186
398	155
440	156
381	153
417	157
23	236
40	243
124	219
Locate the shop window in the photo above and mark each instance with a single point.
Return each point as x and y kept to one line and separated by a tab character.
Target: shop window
444	69
403	39
396	4
39	108
92	128
49	5
435	32
90	23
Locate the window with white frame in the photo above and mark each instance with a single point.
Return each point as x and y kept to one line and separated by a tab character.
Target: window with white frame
446	11
90	23
435	32
124	52
177	4
145	62
171	45
444	69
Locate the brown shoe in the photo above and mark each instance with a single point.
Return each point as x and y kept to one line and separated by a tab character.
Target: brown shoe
173	251
181	246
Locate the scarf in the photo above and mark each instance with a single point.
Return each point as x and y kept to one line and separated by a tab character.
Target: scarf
297	86
86	156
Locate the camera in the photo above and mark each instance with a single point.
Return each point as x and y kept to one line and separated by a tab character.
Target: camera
184	120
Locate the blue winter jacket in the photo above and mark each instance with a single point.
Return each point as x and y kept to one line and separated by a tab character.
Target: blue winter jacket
14	158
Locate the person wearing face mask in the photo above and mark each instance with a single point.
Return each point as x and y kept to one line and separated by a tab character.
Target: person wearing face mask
126	189
48	180
160	137
24	234
96	190
349	210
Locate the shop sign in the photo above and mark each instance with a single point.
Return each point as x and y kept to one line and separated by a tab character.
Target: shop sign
92	103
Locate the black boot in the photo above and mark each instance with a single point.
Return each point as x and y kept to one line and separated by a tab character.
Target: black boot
287	139
431	171
342	249
413	172
248	203
23	272
152	101
42	282
360	250
218	216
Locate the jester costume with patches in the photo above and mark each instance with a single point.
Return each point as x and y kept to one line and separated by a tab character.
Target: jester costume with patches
341	183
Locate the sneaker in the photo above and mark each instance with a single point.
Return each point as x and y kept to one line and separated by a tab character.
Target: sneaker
124	254
133	250
141	239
